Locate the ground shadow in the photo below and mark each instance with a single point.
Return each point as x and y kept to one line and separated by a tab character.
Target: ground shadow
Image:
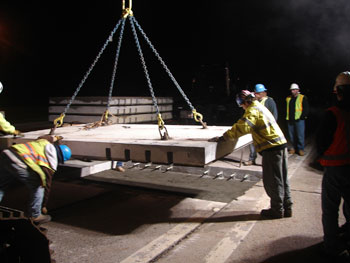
309	254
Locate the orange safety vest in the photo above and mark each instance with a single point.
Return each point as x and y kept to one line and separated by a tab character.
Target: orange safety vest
338	154
33	155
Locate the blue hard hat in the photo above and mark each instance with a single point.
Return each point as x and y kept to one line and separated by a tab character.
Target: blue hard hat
259	88
66	152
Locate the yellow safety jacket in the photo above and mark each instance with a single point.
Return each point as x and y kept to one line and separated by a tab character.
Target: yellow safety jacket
5	126
258	121
298	106
33	154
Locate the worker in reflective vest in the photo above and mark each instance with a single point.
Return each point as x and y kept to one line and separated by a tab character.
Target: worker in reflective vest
333	145
270	142
33	163
260	93
5	126
297	111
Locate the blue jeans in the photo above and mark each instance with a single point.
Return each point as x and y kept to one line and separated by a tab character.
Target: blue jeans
296	132
252	155
11	171
335	185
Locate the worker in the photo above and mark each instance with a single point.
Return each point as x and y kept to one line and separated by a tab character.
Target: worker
297	112
270	142
33	163
261	95
333	145
6	127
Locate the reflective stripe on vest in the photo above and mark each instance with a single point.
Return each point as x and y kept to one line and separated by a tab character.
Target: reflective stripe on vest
298	106
338	153
33	155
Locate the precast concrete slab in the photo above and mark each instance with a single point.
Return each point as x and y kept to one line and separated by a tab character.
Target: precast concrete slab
188	145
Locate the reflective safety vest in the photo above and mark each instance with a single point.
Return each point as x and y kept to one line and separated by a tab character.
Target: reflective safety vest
263	100
338	153
298	106
258	121
33	154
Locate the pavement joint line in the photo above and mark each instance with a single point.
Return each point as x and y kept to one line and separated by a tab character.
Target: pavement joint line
163	243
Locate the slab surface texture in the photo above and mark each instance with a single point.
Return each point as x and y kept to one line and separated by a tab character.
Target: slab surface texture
188	145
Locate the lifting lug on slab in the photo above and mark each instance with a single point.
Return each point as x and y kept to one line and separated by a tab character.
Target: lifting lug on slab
161	127
57	123
199	118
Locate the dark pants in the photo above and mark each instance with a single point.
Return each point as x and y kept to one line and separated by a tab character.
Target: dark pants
335	186
296	132
275	178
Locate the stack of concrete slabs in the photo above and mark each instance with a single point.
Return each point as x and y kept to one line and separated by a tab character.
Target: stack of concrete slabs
126	109
188	145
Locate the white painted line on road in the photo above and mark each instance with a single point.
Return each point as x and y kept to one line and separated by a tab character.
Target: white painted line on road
174	235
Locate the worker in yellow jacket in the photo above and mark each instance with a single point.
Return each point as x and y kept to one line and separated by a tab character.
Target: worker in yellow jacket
269	141
5	126
33	163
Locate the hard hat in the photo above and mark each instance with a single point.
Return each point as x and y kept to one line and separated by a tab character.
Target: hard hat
1	87
243	95
259	88
66	152
294	86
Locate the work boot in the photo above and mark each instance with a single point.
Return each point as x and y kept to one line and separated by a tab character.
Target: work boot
250	162
41	219
120	169
291	151
301	153
271	214
287	212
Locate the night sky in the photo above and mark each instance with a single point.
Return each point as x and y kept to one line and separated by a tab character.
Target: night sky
46	47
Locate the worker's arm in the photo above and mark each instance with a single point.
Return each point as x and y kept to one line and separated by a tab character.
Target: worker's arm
50	138
5	126
49	173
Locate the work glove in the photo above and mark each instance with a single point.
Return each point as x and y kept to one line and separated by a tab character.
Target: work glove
217	139
57	138
17	132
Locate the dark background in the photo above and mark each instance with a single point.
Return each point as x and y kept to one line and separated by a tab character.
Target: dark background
47	47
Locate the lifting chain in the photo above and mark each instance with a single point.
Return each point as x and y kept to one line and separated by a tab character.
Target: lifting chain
127	12
59	121
197	116
161	126
103	122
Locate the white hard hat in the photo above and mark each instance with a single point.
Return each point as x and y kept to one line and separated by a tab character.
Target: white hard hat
1	87
294	86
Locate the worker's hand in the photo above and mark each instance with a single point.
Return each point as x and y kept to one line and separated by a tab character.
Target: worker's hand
44	210
217	139
17	132
57	138
51	138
